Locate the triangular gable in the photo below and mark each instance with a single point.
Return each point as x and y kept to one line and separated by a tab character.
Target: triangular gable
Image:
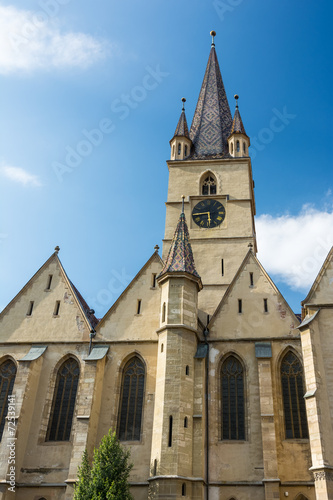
154	260
321	291
86	321
253	320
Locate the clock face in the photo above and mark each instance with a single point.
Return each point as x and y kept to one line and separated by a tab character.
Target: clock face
208	213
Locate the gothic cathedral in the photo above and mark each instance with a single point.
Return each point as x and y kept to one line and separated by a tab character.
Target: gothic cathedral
219	390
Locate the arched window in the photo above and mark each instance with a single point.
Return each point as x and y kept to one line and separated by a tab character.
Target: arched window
7	378
232	398
63	403
183	490
131	405
231	148
244	149
293	397
185	150
208	185
237	147
179	148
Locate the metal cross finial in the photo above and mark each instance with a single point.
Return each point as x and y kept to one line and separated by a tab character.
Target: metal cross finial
57	249
236	96
183	199
213	34
156	248
183	101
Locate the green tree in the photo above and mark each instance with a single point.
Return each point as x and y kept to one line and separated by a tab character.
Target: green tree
83	490
107	478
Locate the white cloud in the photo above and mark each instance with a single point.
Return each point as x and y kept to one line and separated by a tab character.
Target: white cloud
32	40
294	247
18	174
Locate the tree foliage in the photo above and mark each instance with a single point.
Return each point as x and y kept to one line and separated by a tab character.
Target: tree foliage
107	478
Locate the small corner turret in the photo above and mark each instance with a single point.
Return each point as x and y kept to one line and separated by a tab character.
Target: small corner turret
238	141
181	142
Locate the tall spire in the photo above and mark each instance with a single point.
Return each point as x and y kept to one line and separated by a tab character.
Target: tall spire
237	123
180	257
212	119
182	129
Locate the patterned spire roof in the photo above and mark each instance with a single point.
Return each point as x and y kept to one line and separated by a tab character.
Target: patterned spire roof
180	257
212	119
182	129
237	123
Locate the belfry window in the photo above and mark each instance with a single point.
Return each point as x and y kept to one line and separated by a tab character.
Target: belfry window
63	403
131	405
7	379
232	399
208	186
293	397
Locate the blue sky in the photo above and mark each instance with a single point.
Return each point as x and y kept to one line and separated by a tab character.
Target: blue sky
69	68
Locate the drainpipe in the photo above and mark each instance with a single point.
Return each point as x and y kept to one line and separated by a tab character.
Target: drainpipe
206	333
91	335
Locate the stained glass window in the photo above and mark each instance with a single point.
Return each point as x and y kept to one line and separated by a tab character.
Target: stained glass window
7	378
232	397
293	397
131	405
63	404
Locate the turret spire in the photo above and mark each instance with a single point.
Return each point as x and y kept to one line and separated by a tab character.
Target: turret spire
237	123
212	119
182	129
180	257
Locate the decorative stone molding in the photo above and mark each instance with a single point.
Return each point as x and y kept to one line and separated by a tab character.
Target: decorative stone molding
322	474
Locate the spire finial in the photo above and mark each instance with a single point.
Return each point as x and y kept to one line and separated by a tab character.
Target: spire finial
236	96
57	249
213	34
183	101
156	248
183	201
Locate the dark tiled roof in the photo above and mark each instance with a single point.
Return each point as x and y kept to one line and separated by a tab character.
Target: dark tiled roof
237	123
182	129
91	317
180	257
212	119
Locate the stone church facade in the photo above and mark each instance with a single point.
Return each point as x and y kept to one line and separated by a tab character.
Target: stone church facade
219	390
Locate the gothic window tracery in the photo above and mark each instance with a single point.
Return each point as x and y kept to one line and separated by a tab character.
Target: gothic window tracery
232	399
293	397
62	411
7	379
131	405
208	185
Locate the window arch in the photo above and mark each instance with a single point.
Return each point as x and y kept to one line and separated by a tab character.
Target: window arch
232	399
237	147
131	405
62	411
293	397
208	184
7	379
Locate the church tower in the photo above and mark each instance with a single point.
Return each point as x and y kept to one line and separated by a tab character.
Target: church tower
215	175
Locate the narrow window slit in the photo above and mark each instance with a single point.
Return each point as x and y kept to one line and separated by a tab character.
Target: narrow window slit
153	280
30	308
222	267
265	306
49	281
170	432
251	279
138	308
187	370
56	308
240	305
185	422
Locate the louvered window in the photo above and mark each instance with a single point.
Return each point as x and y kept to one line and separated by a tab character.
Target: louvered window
293	397
7	378
63	404
209	185
131	406
232	397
